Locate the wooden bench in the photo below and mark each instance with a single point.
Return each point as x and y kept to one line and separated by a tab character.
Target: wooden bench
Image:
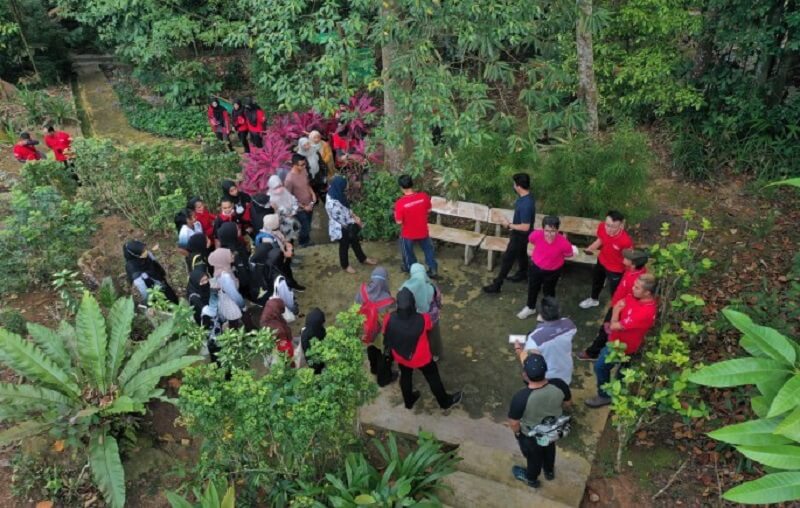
569	225
462	210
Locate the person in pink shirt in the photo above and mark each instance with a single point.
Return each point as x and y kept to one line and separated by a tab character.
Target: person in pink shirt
550	249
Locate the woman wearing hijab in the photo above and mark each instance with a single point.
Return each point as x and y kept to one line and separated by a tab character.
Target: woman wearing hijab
314	329
230	303
272	317
270	278
144	272
229	237
197	246
259	208
241	203
325	153
198	292
310	151
429	300
286	206
204	217
255	122
343	225
240	124
376	299
219	120
405	336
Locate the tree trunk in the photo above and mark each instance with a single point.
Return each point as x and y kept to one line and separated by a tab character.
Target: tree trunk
587	87
15	11
392	121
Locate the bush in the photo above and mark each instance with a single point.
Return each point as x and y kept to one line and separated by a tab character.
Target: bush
377	210
47	172
42	108
13	321
188	82
43	234
267	433
184	122
146	183
586	178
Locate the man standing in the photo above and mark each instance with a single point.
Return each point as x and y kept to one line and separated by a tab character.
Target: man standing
297	183
553	340
611	240
529	406
59	142
635	261
520	227
631	319
411	212
25	149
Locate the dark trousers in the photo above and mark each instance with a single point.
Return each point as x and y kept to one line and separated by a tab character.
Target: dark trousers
517	251
599	277
256	140
304	218
431	373
600	340
409	258
544	280
243	140
345	243
222	137
539	457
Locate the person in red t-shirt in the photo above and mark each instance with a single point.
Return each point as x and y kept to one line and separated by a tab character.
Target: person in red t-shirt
631	319
59	142
240	124
635	261
611	240
255	122
405	335
411	212
220	121
24	149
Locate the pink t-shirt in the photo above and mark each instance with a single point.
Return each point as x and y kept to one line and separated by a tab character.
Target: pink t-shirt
549	256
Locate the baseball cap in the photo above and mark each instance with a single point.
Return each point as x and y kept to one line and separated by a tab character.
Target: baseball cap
638	256
535	367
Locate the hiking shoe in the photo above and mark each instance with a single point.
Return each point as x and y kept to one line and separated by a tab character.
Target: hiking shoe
526	312
518	277
586	357
589	303
521	474
454	400
598	401
414	398
491	288
549	475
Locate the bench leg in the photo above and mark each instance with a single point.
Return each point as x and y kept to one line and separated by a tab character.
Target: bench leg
467	254
489	259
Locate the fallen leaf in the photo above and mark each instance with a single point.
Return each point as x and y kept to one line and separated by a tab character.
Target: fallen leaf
44	504
370	432
174	383
58	446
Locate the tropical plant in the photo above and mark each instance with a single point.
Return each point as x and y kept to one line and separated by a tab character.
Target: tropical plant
773	438
377	211
47	172
70	288
183	122
208	498
260	164
413	480
83	381
293	126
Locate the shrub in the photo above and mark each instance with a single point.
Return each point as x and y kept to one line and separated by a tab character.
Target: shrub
44	233
145	182
260	164
188	82
84	381
269	432
184	122
586	178
209	498
13	321
42	107
47	172
377	211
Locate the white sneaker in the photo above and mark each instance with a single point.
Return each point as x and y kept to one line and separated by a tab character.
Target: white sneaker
526	312
539	318
589	303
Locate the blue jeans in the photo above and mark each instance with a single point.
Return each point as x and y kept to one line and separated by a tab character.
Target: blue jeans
603	371
409	258
304	218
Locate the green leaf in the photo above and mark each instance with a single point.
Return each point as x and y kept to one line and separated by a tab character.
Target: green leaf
154	342
177	501
22	431
790	426
143	383
753	433
120	319
229	500
109	476
778	456
123	404
768	340
787	398
737	372
31	396
28	360
772	488
364	500
173	350
794	182
51	344
92	341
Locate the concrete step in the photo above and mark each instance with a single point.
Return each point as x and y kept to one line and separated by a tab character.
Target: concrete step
470	491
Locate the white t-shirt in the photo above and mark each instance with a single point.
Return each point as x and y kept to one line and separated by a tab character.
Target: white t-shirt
553	339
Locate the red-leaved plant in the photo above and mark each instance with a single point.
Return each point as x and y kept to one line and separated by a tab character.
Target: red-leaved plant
261	163
294	126
358	116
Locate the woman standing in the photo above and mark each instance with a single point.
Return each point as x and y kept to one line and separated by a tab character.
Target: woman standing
230	301
219	120
241	204
240	124
255	122
286	206
429	300
259	208
310	151
405	335
204	217
198	292
314	329
144	272
344	226
272	317
550	249
376	300
325	153
197	248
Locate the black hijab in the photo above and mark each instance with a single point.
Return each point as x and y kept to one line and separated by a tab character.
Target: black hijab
218	110
241	197
197	293
228	235
251	111
260	208
314	329
196	247
237	112
136	265
260	272
405	326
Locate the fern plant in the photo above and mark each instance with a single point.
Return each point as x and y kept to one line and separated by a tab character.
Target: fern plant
206	499
82	380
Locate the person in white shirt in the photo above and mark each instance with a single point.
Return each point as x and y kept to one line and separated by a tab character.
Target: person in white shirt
553	340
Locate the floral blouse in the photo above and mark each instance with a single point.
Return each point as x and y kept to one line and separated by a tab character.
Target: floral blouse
339	216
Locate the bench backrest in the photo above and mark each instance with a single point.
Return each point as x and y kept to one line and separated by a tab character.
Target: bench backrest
462	209
496	216
573	225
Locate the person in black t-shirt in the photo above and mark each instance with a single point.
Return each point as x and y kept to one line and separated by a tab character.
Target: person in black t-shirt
520	227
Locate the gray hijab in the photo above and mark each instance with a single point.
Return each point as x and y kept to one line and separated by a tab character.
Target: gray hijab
378	286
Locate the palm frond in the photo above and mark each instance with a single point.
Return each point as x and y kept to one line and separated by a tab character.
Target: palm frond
52	345
156	340
92	341
28	360
140	386
120	318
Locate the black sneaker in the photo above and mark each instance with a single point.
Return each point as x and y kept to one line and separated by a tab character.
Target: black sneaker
414	398
549	475
521	474
434	276
454	400
491	288
518	277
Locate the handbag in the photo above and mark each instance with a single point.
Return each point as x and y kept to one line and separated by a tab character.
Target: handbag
288	315
227	308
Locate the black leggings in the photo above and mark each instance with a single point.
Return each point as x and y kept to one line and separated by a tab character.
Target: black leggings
431	373
544	280
256	140
599	277
222	137
345	243
243	140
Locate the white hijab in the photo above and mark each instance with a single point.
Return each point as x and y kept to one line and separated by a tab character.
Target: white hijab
279	197
311	155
